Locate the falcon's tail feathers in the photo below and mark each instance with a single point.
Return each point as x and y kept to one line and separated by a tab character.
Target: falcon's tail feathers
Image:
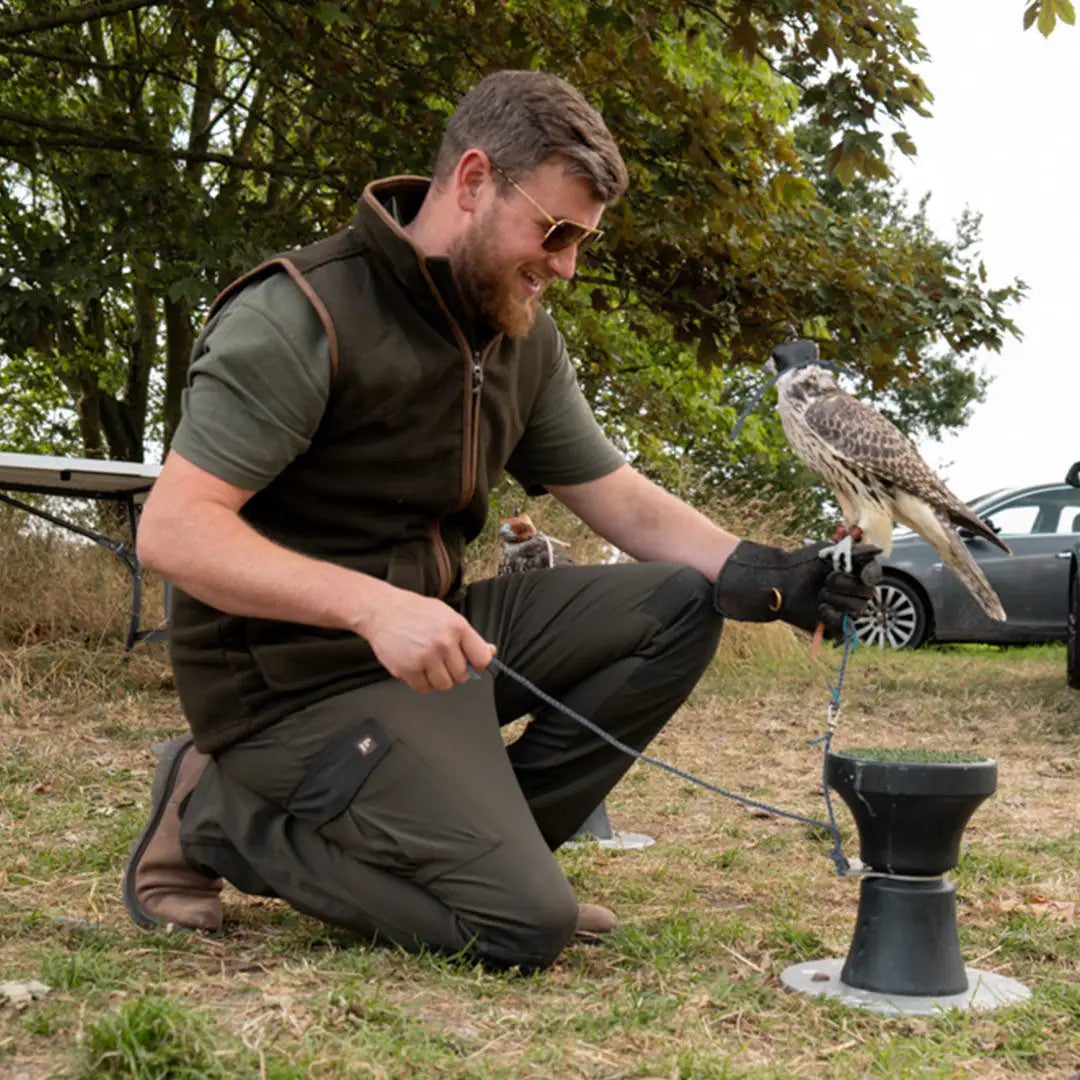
936	529
961	514
959	560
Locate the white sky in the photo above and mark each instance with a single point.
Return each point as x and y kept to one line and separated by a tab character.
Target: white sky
1005	140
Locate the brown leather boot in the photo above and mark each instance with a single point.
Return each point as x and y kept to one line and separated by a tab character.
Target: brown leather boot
160	888
593	922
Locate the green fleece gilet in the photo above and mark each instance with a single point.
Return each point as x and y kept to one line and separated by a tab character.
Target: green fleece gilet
422	417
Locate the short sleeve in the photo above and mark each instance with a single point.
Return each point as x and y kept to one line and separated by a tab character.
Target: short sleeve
258	385
562	442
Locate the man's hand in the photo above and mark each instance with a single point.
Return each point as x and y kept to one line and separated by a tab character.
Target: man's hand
759	583
423	641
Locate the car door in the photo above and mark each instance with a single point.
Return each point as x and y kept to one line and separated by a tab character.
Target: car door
1040	526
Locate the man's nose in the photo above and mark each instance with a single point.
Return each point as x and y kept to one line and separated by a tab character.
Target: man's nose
562	263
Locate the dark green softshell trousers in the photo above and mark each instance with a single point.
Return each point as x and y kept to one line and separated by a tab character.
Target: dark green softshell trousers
403	815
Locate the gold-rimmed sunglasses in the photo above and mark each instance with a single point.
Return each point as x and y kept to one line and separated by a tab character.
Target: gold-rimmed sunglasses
563	233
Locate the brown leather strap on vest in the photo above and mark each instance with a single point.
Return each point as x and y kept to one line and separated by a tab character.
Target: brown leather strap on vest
302	283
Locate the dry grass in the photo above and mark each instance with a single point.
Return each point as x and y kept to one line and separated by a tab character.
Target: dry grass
55	586
710	915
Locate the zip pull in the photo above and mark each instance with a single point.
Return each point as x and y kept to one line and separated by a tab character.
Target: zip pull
477	374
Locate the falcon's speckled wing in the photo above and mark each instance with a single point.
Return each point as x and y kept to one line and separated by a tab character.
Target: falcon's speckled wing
868	441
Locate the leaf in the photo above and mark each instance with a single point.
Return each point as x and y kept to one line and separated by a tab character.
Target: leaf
743	39
1066	12
793	191
844	170
1030	14
20	994
905	143
192	289
1041	908
1047	18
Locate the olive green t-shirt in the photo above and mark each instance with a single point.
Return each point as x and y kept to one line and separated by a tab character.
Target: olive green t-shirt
259	383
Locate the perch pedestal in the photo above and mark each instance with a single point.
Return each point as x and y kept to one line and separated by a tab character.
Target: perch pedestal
905	953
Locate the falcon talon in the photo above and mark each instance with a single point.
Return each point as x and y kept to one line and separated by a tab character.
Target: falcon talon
840	553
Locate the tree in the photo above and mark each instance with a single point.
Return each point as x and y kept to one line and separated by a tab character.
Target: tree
153	149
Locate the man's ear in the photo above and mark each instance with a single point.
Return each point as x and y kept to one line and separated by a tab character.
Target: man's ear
470	177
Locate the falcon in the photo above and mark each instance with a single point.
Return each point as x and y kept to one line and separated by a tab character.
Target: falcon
874	470
526	548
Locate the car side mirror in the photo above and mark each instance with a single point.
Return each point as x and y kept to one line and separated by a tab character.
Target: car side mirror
1072	477
967	534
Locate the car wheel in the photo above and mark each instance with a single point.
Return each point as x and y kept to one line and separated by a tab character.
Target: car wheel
1072	669
895	618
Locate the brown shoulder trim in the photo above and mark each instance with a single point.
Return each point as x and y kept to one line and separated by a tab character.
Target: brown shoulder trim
320	308
238	283
305	287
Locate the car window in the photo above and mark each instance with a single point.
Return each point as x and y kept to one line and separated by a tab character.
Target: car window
1019	518
1070	519
1055	510
982	500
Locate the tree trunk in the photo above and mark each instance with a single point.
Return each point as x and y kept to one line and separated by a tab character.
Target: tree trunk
86	397
142	352
179	338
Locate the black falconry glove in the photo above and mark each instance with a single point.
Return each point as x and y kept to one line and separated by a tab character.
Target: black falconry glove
759	583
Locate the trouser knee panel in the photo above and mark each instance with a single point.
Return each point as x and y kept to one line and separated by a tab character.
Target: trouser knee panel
533	938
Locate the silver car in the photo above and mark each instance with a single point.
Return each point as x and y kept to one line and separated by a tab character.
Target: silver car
920	600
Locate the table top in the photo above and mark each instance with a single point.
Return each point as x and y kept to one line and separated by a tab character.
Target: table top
75	476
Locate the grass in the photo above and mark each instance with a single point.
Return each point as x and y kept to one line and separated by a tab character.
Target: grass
913	756
711	914
56	586
152	1037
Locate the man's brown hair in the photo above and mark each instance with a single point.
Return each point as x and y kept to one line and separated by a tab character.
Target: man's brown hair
522	119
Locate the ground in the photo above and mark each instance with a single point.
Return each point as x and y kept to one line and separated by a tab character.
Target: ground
710	915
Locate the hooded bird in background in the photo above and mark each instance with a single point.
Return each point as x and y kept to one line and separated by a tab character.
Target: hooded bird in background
526	548
874	470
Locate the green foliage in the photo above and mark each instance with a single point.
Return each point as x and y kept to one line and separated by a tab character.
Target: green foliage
149	1038
150	152
1045	14
793	942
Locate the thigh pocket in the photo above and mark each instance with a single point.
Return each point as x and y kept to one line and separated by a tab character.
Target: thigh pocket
338	772
377	799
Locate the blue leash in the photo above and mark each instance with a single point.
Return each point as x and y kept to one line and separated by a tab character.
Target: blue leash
836	853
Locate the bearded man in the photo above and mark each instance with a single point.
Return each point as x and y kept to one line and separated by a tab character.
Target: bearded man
350	405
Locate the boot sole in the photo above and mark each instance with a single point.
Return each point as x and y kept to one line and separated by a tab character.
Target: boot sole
164	780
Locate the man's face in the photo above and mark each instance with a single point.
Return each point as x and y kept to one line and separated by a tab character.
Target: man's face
499	261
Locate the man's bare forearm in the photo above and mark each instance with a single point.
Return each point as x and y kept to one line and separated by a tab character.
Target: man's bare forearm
210	552
648	522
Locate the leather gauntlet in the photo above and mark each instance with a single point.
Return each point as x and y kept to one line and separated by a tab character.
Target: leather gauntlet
759	583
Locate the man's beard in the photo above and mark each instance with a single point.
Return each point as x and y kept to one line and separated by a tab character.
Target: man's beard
488	287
